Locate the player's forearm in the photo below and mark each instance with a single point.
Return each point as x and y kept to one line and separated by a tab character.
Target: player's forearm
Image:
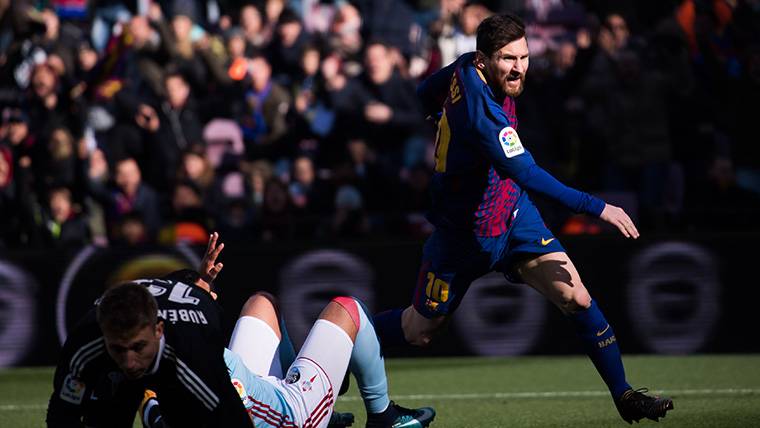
537	179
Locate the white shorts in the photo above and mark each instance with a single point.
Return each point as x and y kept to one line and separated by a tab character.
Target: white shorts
312	381
257	345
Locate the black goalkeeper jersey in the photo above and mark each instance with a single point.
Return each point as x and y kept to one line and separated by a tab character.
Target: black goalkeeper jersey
189	374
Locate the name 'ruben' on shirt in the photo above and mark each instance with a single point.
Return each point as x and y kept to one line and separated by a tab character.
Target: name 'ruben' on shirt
184	315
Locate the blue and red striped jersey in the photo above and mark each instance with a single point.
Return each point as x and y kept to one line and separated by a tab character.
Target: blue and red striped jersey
481	166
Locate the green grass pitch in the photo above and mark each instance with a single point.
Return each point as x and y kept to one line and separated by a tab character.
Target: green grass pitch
708	390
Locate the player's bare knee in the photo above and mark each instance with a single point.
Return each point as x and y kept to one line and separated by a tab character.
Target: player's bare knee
351	306
574	300
260	302
343	312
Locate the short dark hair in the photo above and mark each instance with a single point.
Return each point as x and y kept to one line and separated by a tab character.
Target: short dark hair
59	189
174	71
126	308
288	16
498	30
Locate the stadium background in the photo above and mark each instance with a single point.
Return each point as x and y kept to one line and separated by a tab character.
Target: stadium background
669	296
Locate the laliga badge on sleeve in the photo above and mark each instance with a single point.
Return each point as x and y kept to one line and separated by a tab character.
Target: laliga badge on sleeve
240	388
72	390
510	142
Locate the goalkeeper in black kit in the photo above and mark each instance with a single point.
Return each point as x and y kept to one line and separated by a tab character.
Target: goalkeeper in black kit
113	355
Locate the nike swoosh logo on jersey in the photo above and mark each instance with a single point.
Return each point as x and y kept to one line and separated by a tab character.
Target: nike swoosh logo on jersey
546	242
599	333
514	214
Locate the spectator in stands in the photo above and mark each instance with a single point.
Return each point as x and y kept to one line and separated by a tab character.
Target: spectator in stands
196	168
619	33
60	164
252	26
344	36
350	219
308	71
143	47
187	44
127	195
49	107
259	173
344	95
235	44
276	220
361	170
236	214
310	196
189	220
8	206
96	165
459	38
323	104
17	136
176	127
56	40
390	117
106	13
84	67
272	11
17	199
131	231
263	119
63	225
316	15
313	118
399	31
287	47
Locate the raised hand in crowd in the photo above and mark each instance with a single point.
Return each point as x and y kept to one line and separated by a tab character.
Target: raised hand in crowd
147	118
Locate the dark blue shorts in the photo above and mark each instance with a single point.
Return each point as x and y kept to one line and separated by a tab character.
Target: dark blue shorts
451	259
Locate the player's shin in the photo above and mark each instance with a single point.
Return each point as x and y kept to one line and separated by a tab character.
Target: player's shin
601	346
367	364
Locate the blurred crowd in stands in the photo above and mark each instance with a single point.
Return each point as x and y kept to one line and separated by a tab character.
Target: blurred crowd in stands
158	121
